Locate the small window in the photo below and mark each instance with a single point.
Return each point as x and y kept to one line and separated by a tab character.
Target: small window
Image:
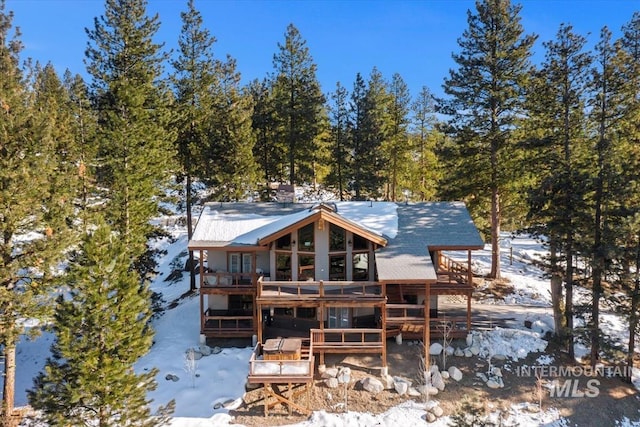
283	267
305	238
361	267
284	242
307	269
336	238
360	243
337	270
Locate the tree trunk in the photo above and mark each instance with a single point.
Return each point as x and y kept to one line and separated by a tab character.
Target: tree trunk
633	316
495	234
191	263
8	392
568	282
556	293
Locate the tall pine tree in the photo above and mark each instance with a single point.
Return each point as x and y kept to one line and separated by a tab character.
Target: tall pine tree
486	97
298	105
341	147
424	173
230	137
126	67
194	73
101	329
36	224
397	146
557	104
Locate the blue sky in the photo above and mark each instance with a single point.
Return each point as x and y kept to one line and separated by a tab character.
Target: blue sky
413	38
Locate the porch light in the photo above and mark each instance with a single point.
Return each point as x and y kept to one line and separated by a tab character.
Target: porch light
321	224
349	242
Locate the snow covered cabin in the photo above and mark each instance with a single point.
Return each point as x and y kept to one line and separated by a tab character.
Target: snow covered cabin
343	276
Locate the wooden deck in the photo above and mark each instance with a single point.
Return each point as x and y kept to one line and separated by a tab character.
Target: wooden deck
348	341
320	290
284	380
228	323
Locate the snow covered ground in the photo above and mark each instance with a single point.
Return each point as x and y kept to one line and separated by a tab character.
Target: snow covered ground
219	379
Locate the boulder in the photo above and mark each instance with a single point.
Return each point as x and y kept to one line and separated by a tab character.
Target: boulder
469	340
171	377
445	375
330	373
205	350
387	381
493	384
455	373
437	411
458	352
331	382
437	381
427	389
435	349
401	387
413	392
372	385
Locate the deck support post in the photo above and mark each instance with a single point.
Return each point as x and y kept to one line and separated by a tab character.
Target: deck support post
427	323
468	312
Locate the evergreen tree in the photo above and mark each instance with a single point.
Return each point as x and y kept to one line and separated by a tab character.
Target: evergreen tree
608	198
396	146
371	129
340	151
424	170
557	113
629	138
230	138
486	96
35	215
268	151
101	328
194	73
83	129
358	114
298	105
134	140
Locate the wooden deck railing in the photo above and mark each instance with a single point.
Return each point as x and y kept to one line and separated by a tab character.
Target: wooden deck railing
319	289
227	325
452	271
266	371
228	280
398	314
347	340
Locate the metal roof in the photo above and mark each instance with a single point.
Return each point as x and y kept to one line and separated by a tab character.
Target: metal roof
411	229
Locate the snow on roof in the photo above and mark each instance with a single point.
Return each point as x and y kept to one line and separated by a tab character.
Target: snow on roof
215	226
245	224
379	217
